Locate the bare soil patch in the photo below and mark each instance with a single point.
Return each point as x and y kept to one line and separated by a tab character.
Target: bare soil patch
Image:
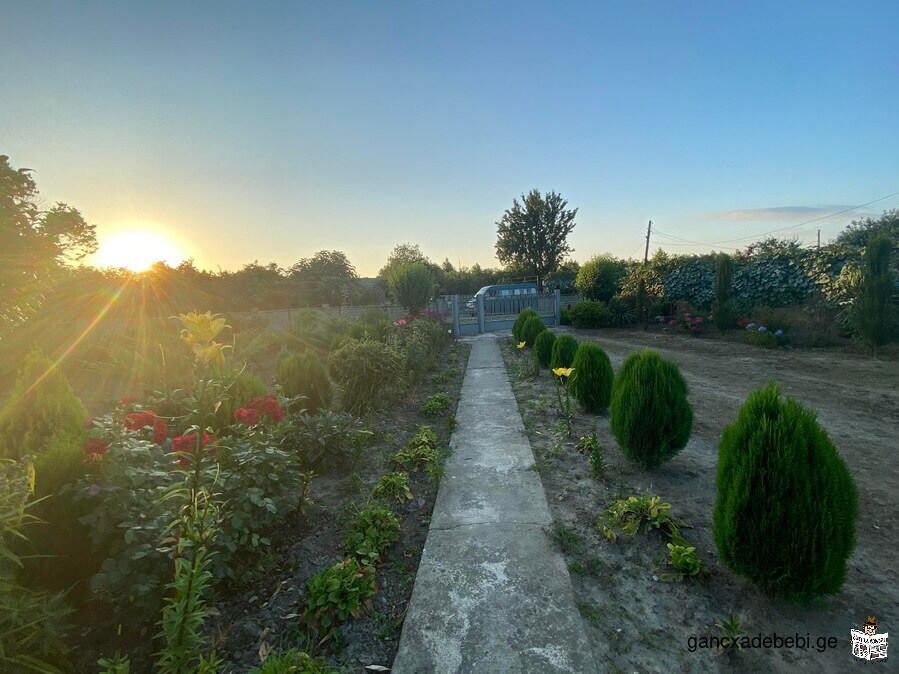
642	624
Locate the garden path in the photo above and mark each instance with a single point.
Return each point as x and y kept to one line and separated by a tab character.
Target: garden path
492	592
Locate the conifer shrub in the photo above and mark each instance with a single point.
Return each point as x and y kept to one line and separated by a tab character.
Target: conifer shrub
786	504
532	327
651	418
543	347
564	349
303	374
723	312
593	377
519	322
874	314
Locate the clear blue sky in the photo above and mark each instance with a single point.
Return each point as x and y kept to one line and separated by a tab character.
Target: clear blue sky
272	130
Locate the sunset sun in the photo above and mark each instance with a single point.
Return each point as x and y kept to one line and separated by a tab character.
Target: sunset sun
137	250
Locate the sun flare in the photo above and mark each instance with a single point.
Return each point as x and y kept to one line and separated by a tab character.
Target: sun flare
137	250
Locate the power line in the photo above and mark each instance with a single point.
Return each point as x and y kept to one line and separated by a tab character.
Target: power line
773	231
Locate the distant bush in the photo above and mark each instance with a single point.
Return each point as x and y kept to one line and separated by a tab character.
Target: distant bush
786	505
564	350
412	285
651	417
366	371
303	374
543	347
419	341
590	314
519	322
564	316
593	377
532	327
600	278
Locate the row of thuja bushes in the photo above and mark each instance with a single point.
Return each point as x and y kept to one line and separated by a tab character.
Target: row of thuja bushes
200	475
786	502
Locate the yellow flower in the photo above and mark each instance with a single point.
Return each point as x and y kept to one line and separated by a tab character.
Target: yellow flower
563	371
521	345
201	328
212	352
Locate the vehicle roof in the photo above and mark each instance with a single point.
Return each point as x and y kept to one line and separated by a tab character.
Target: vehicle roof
530	284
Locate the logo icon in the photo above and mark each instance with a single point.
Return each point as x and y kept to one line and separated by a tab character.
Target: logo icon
869	645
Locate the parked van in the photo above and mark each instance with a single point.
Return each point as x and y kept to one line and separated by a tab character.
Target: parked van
509	292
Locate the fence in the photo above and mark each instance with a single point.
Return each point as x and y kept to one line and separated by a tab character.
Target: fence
479	315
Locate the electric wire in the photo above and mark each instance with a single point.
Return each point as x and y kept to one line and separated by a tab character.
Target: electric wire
773	231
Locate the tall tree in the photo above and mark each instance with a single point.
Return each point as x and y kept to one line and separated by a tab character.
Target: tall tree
723	306
534	233
326	277
33	244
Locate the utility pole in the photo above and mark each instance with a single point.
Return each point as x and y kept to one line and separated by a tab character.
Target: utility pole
646	252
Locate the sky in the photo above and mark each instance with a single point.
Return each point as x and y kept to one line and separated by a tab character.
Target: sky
267	131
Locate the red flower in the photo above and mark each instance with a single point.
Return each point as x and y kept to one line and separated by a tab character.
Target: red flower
269	406
88	423
188	444
160	431
137	420
248	417
94	448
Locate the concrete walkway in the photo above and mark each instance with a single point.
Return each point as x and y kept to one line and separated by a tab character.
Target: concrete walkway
492	593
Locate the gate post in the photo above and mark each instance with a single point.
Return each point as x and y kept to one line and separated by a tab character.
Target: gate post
557	296
481	325
457	323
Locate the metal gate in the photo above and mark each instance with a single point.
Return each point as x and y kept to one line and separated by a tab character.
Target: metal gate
478	315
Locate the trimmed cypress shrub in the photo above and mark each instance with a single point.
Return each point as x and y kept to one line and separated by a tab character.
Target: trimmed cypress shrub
593	377
650	418
786	506
543	347
723	307
564	349
875	313
304	374
519	322
531	328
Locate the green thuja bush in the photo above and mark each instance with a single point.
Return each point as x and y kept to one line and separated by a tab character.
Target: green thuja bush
303	374
531	328
786	505
519	322
593	377
564	350
874	313
650	417
723	312
543	347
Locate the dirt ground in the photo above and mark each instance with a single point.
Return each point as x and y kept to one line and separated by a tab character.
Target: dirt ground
640	623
